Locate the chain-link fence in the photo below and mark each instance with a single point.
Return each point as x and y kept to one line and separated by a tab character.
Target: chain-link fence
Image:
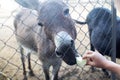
10	58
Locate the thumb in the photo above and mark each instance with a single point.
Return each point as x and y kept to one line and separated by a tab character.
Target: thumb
87	56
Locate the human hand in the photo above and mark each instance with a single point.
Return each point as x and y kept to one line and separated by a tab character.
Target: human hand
95	59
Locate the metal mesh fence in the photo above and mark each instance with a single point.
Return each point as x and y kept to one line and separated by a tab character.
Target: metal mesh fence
10	61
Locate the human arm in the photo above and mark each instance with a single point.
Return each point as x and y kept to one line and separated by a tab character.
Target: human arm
113	67
97	60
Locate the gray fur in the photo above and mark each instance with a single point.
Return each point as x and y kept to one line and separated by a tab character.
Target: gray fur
54	17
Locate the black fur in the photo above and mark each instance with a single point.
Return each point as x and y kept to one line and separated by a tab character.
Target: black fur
99	22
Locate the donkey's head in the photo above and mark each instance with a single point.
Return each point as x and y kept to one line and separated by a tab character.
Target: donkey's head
54	16
59	27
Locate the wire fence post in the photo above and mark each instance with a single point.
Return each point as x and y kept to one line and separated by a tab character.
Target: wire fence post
113	55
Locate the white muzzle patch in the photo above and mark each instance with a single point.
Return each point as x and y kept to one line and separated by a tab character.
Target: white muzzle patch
61	38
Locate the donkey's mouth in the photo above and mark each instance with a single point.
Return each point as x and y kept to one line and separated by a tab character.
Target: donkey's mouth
65	47
66	52
63	41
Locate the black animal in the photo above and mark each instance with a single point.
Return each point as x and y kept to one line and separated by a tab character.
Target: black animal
49	31
99	22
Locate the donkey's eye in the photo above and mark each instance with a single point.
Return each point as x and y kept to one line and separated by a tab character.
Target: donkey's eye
40	24
66	11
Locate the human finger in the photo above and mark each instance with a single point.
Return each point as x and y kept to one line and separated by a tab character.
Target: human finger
88	54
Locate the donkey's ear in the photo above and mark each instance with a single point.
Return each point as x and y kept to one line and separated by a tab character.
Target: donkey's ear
31	4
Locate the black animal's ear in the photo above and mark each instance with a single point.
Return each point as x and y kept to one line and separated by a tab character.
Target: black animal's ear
40	24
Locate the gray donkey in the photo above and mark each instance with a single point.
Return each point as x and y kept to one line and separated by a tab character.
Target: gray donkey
47	29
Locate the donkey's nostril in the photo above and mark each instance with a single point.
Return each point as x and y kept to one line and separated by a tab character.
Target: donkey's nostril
58	54
40	24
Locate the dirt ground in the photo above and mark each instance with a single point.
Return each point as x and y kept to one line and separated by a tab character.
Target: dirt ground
10	62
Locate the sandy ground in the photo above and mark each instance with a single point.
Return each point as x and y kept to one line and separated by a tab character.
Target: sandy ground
10	62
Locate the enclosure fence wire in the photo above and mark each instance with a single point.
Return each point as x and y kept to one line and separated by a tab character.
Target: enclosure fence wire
10	58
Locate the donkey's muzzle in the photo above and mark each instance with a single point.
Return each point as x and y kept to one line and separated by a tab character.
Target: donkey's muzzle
67	53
